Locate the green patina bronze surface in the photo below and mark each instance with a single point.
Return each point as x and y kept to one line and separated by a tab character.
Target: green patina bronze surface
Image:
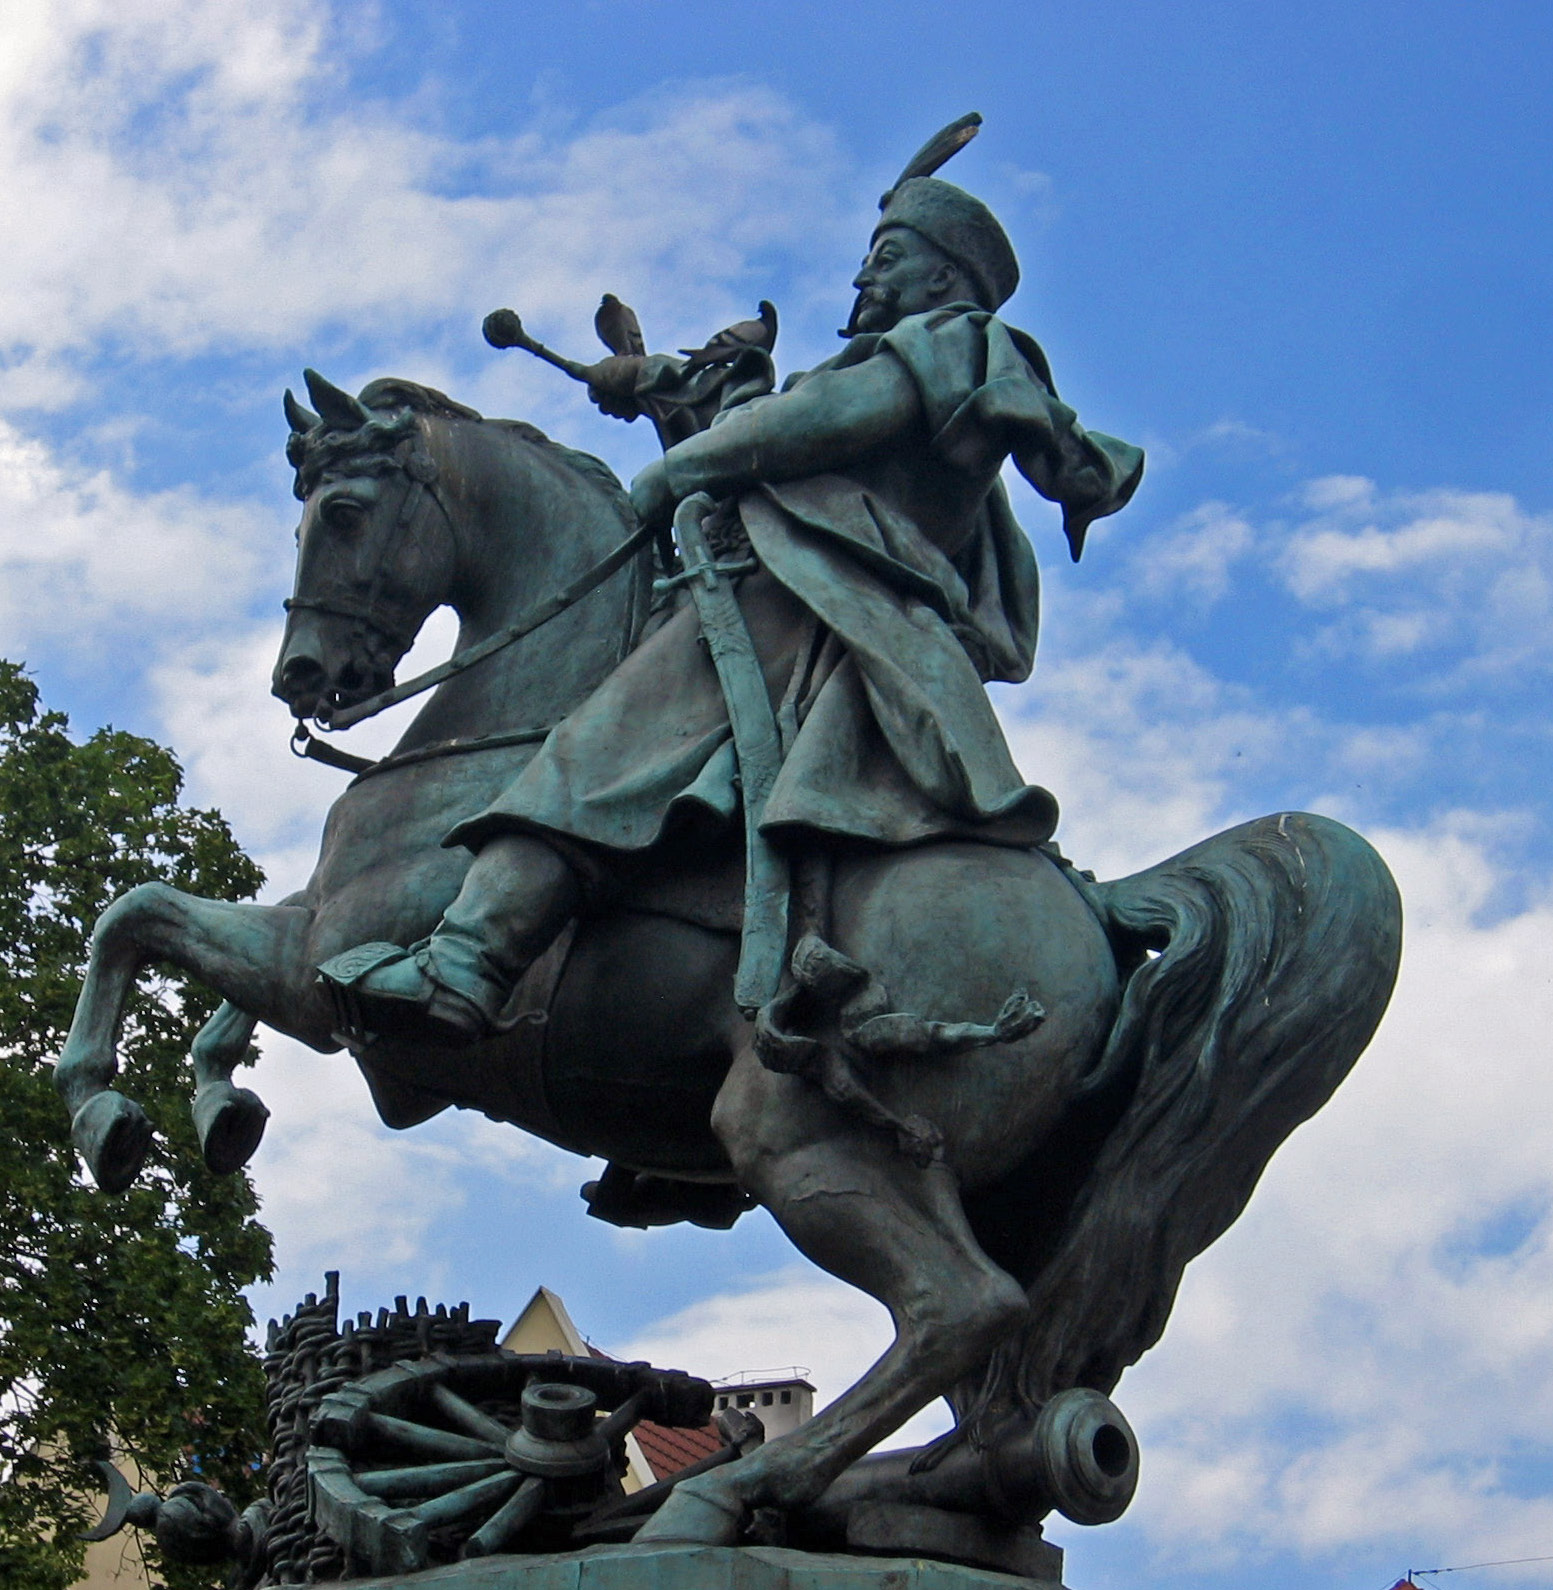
709	1568
1007	1101
868	492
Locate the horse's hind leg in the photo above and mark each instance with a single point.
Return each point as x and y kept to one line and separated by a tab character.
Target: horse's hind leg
856	1206
252	955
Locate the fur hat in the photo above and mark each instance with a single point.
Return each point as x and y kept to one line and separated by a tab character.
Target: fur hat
962	227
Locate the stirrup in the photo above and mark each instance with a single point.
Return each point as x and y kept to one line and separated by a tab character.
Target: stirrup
433	1010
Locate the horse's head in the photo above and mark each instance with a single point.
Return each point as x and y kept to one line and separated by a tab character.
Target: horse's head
375	548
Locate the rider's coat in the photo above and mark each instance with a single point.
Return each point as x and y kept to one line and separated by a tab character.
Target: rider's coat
887	594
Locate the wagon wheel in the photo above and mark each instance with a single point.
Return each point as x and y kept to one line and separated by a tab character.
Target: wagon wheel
468	1456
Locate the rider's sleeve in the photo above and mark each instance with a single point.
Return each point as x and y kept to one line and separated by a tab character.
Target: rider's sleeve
988	394
833	418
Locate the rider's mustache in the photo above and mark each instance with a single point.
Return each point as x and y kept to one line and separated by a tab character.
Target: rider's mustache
876	293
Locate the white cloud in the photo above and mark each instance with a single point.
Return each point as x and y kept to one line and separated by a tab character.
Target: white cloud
1463	575
1194	558
186	176
1038	192
1146	750
340	1191
796	1316
336	1187
86	559
1365	1356
1330	492
213	701
232	736
1358	1360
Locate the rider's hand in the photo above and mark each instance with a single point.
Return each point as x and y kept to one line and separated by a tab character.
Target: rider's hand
618	408
651	495
612	385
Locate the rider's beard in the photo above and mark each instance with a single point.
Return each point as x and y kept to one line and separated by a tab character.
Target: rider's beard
883	300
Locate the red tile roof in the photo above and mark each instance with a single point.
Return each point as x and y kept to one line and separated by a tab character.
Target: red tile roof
668	1451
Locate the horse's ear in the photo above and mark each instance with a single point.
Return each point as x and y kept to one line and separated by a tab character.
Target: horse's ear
298	418
340	411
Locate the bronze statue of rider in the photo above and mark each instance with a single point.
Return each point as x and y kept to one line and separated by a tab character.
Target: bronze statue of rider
883	580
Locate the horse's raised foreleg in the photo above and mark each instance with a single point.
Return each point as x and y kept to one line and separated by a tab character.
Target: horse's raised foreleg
254	956
229	1119
221	1045
855	1205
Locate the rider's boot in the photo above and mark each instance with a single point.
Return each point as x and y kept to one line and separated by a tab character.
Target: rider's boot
451	988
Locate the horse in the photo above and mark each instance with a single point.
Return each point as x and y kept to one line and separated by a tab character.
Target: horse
1023	1205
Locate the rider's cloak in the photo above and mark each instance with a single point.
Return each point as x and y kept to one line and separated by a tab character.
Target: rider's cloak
888	594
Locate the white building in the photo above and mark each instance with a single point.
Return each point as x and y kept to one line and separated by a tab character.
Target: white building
782	1399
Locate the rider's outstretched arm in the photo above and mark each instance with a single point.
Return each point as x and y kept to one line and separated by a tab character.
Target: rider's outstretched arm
833	419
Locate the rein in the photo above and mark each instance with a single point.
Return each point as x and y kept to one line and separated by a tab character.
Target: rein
541	613
305	744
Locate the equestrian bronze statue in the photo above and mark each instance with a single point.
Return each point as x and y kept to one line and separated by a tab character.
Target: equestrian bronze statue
706	855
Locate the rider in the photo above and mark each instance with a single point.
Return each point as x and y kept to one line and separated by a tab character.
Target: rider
887	581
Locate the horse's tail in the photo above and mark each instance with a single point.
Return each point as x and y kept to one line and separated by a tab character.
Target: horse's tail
1264	958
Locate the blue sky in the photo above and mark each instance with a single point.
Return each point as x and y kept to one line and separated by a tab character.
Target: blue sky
1301	255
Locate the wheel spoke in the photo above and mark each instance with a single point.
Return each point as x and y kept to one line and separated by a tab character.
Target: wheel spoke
431	1479
424	1441
505	1525
469	1499
467	1417
622	1419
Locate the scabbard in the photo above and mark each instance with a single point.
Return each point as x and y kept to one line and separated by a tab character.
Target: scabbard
758	747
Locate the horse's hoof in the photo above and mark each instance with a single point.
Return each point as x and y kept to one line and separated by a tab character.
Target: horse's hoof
230	1123
112	1134
704	1516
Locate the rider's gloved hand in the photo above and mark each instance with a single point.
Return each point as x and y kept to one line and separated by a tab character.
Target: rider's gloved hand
652	496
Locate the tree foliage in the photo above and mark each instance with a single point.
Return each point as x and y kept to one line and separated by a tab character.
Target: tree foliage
122	1320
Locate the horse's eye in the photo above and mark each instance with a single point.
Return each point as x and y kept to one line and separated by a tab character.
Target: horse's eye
345	513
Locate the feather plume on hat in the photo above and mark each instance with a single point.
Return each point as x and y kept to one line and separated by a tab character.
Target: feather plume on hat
950	218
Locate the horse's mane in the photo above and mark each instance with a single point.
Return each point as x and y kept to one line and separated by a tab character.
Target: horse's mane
394	402
591	468
394	392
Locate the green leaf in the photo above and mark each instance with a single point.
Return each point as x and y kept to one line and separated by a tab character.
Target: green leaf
123	1325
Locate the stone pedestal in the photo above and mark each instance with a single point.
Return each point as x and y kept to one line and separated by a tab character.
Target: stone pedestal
671	1567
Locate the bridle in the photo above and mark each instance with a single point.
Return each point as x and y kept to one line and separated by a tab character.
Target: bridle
370	611
305	744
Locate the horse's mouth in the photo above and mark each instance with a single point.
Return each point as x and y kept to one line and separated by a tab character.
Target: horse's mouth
310	694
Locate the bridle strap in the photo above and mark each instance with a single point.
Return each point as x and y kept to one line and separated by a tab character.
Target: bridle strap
541	613
359	612
369	612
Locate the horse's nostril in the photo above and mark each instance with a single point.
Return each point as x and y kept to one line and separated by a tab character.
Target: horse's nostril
301	676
